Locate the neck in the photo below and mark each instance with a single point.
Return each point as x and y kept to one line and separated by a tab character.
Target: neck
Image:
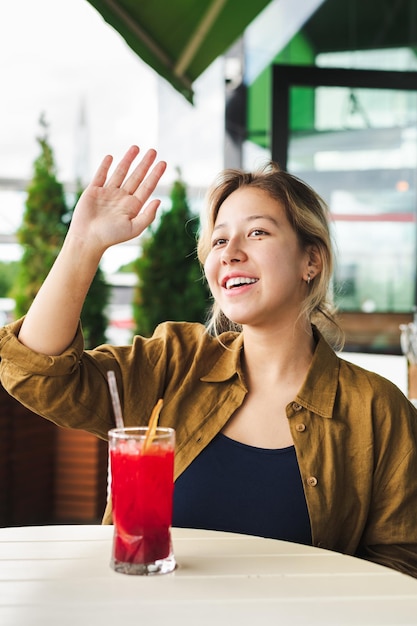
281	353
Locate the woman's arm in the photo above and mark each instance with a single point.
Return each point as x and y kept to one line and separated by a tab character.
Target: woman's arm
110	211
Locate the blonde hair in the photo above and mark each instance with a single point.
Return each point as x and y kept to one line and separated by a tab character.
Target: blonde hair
308	215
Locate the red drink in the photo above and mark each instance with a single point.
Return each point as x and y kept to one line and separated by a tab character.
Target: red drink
142	491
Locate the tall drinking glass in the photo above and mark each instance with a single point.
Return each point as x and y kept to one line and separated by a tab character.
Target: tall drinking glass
142	486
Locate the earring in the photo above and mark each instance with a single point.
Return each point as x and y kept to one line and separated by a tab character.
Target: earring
308	278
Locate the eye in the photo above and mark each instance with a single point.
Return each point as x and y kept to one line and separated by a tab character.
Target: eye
218	242
258	232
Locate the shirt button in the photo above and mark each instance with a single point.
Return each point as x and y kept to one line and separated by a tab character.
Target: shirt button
296	406
311	481
300	428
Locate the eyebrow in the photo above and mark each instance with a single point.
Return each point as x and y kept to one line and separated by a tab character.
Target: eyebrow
251	218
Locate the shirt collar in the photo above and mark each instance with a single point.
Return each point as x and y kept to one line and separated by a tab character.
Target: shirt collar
318	392
228	365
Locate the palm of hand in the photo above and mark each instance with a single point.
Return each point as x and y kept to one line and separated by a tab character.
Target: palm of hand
113	209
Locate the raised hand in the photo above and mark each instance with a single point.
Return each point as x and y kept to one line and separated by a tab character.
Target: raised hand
113	208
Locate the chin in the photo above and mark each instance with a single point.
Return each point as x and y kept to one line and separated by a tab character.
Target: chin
238	320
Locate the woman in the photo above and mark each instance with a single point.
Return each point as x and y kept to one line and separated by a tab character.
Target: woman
276	436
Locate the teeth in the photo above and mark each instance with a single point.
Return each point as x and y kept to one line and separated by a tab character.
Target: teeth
240	280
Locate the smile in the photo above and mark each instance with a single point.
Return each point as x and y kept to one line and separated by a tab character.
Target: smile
238	281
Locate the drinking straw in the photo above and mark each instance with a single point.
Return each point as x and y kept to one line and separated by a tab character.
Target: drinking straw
111	378
152	425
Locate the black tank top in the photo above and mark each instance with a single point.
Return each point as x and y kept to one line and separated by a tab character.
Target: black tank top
238	488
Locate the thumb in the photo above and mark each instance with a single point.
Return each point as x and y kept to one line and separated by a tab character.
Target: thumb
146	216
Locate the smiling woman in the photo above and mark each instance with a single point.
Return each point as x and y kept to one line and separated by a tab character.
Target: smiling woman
265	411
257	255
270	204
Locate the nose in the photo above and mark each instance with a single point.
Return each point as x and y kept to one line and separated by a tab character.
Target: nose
233	253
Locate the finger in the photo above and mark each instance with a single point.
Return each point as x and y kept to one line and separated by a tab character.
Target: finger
140	171
145	217
100	176
119	174
148	186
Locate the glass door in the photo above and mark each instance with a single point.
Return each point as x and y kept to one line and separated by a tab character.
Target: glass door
352	135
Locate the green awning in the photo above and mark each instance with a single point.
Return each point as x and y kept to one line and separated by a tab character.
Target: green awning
179	39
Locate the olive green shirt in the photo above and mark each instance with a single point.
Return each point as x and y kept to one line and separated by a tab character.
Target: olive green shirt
355	433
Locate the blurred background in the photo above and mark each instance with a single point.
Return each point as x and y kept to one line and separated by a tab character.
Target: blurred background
328	88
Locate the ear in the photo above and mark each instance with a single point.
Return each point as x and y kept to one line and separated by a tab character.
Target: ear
314	261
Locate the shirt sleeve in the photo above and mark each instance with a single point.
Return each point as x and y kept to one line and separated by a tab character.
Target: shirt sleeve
59	388
72	389
391	534
27	360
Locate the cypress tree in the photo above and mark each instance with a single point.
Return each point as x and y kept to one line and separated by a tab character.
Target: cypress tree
170	282
8	275
41	234
42	231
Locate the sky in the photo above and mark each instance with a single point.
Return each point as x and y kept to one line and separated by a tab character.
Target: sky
56	55
59	58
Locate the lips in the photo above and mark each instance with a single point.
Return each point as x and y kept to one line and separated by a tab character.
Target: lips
238	281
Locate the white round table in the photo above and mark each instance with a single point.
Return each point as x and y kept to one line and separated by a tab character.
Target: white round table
60	576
